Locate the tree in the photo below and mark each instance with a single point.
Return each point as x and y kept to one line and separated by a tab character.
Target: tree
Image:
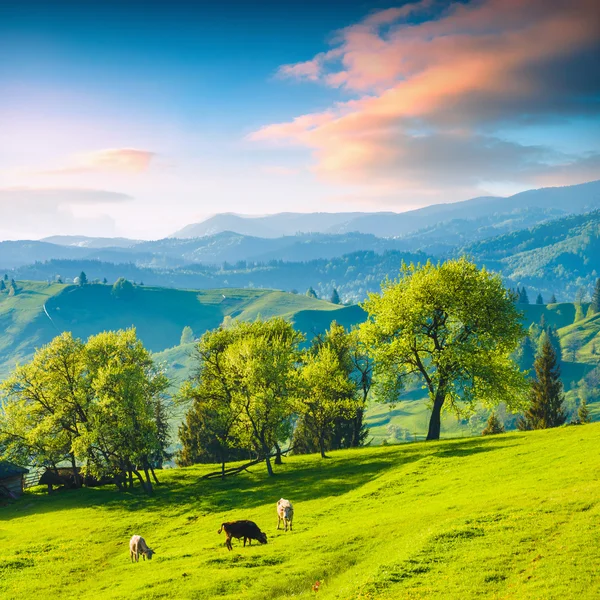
546	396
452	326
310	292
335	297
121	431
583	412
555	341
578	313
187	335
527	354
104	281
523	298
596	297
2	285
553	299
210	430
122	288
325	393
263	358
494	425
94	404
13	290
46	404
83	280
539	299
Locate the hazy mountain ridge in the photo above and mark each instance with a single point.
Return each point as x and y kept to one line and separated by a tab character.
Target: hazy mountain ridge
569	199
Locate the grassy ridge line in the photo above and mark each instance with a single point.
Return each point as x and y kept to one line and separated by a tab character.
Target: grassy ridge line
513	516
159	314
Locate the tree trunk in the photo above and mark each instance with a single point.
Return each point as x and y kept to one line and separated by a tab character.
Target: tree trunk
322	447
149	489
435	422
76	478
278	460
156	481
358	421
269	467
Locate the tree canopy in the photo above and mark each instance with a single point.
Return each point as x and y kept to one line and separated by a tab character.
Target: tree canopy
452	326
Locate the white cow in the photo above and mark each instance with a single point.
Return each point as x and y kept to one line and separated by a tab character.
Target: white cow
137	546
285	513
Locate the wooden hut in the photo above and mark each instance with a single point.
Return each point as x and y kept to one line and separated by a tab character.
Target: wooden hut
11	479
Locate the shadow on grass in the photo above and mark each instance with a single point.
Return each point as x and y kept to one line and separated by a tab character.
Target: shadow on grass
299	478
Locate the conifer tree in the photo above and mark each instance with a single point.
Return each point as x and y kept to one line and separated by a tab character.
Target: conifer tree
555	341
494	426
546	408
596	297
310	292
523	298
2	285
539	299
335	297
83	279
578	313
553	299
583	412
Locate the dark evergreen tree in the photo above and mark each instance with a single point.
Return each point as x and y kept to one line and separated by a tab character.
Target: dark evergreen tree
2	285
83	279
553	299
494	426
335	297
105	281
310	292
523	298
546	408
527	355
596	298
539	299
555	341
5	277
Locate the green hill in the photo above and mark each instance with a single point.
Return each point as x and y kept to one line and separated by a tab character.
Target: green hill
508	516
40	311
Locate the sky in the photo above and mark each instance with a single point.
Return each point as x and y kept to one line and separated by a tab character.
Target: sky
134	118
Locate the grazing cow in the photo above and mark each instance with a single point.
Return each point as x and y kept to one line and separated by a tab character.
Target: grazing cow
137	546
243	529
285	513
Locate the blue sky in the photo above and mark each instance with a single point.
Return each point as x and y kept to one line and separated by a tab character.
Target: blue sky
178	110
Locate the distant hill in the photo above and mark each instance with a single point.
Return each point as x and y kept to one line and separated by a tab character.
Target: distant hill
568	199
83	241
40	311
557	257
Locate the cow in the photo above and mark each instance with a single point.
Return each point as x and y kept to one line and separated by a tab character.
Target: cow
242	529
137	546
285	513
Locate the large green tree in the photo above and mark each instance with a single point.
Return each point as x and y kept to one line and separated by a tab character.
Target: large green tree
453	327
263	358
209	432
595	305
325	393
98	404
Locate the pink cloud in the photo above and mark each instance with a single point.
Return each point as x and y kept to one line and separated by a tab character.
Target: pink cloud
113	160
438	89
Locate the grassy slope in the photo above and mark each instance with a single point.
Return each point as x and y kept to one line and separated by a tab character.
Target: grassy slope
511	516
159	314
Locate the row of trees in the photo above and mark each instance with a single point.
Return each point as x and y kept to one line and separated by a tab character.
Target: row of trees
100	404
452	328
255	388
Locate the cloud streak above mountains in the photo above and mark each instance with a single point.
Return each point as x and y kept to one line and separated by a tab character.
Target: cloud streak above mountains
428	92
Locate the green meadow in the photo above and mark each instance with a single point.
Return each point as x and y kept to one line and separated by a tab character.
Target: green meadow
508	516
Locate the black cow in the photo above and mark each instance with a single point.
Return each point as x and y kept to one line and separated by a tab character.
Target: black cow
243	529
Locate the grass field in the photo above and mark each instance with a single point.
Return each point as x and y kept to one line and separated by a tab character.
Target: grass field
509	516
